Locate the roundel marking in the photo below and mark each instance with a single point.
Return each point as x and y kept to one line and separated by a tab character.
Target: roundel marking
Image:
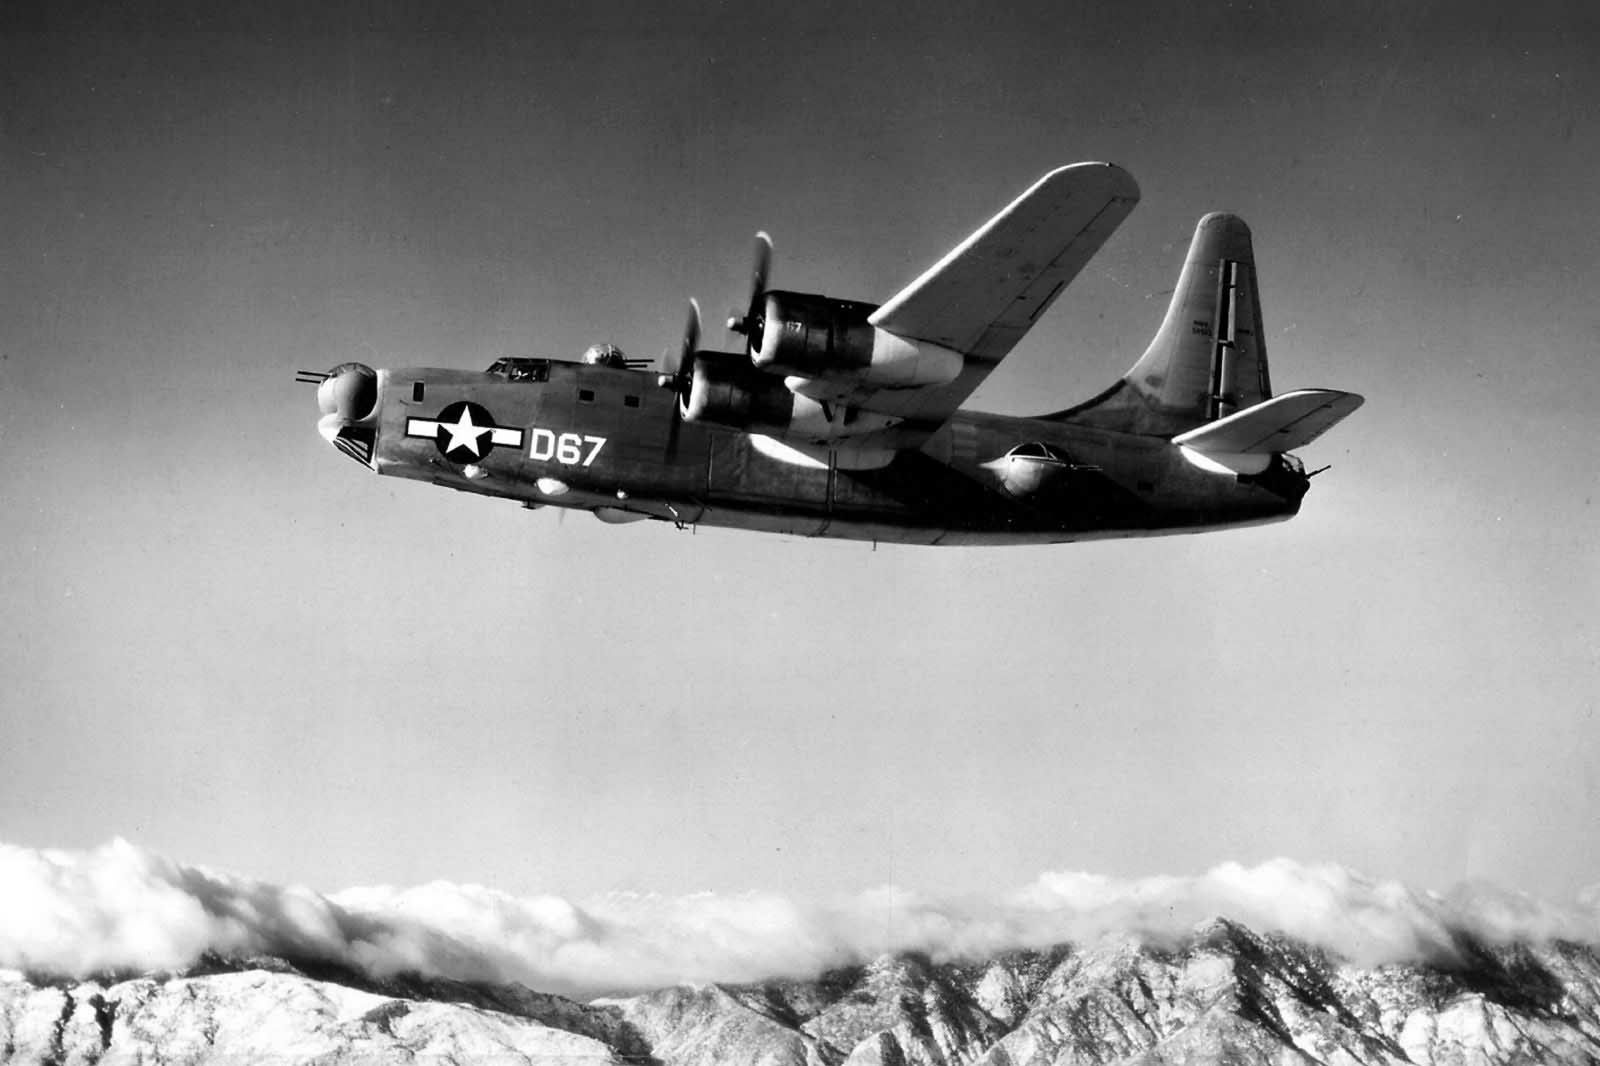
464	432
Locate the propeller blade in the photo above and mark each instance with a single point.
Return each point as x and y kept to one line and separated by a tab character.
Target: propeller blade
680	374
758	278
673	363
691	334
750	324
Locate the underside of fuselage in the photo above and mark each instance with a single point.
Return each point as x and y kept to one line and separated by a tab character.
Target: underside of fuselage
609	440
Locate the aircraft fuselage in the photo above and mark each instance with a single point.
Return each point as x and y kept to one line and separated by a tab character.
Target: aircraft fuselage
610	440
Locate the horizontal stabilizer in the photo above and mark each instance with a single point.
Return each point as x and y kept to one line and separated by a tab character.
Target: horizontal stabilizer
1280	424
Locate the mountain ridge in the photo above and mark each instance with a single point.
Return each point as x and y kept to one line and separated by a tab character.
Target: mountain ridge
1224	994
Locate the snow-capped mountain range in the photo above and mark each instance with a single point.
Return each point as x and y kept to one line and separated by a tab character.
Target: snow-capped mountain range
1221	994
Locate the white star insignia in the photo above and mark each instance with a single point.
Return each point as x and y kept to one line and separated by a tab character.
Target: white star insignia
463	434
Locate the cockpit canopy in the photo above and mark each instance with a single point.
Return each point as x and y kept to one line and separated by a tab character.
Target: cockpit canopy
521	369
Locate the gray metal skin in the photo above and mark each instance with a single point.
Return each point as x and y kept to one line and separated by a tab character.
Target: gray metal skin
958	489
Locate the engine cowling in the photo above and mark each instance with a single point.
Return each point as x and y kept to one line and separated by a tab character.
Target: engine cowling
725	389
812	335
818	337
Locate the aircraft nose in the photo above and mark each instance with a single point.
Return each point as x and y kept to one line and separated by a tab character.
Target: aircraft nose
347	396
350	391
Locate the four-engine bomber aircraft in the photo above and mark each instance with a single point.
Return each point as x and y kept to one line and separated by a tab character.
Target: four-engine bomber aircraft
844	419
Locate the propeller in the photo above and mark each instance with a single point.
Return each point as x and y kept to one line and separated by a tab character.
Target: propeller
678	372
678	367
750	325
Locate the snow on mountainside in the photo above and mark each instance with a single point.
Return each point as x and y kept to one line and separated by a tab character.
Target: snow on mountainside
1221	995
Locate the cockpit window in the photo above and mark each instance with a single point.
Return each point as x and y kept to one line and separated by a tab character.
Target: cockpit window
522	369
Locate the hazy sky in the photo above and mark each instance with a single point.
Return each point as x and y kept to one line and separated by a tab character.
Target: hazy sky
227	643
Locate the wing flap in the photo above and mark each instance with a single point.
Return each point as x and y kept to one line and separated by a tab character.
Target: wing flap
1280	424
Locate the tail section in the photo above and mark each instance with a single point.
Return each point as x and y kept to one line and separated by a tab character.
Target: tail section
1209	359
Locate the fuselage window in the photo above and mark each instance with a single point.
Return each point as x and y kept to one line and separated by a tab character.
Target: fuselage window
416	392
586	396
630	401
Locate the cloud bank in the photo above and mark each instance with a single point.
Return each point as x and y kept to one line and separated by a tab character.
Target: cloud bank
120	908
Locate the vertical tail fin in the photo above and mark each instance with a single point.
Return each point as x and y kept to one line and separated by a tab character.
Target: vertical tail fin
1209	358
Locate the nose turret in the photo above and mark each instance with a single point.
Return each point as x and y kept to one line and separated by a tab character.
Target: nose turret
347	396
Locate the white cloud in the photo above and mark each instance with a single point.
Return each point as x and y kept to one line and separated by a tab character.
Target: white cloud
121	908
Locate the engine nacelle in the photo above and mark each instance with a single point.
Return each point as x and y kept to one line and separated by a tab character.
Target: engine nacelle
727	390
812	335
831	340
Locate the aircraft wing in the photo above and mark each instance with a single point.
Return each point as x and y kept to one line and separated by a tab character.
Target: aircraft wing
981	298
